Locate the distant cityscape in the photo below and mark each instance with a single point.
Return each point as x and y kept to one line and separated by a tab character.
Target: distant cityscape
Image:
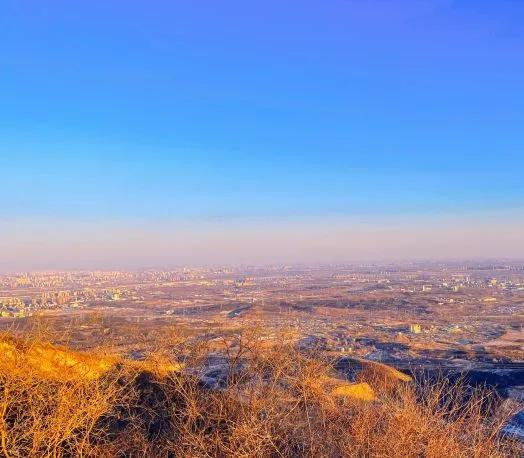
412	313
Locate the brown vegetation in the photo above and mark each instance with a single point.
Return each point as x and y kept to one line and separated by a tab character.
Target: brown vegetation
276	402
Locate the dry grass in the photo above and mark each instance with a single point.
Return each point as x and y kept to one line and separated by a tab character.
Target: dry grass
277	402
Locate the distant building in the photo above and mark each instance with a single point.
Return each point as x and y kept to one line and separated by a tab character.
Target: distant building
415	328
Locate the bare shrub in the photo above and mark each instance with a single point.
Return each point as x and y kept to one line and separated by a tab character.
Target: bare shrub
276	402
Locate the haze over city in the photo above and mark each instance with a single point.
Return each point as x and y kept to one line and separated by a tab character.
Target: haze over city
134	245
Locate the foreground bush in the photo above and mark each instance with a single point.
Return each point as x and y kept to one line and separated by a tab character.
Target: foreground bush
268	401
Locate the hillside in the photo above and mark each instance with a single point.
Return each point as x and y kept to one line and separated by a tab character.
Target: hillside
249	399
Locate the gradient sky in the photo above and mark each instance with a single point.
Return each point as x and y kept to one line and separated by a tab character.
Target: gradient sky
137	133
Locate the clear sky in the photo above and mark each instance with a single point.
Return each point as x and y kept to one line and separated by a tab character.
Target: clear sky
138	133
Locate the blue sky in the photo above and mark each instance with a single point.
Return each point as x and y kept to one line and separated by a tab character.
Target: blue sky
295	112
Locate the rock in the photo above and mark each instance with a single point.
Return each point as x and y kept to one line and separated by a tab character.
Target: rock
361	391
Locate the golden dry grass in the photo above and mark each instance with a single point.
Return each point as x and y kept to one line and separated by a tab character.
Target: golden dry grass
277	402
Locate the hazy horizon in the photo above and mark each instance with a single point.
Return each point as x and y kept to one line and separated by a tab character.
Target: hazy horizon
121	245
